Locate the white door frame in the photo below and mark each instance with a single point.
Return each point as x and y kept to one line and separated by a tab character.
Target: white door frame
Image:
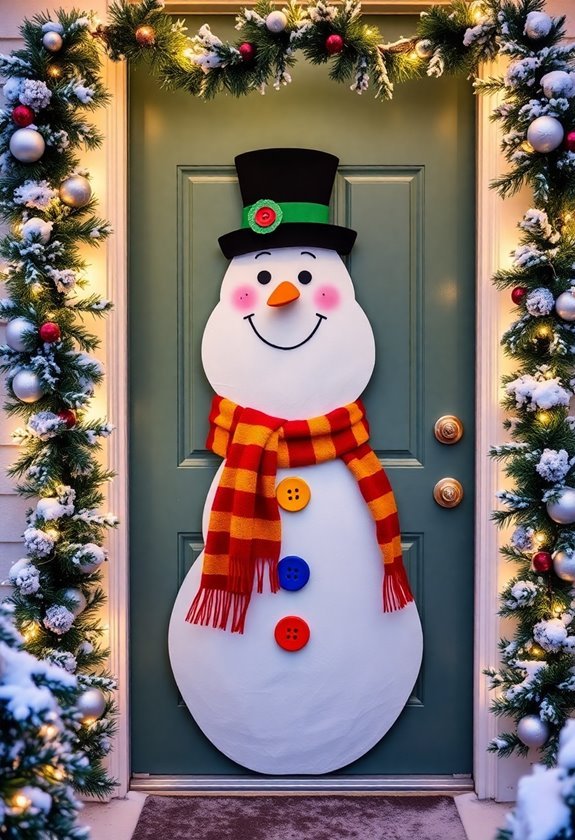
491	221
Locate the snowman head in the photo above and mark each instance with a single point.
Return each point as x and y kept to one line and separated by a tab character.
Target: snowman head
288	336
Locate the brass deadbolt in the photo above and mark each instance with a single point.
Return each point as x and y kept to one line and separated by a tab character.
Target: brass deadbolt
448	492
448	429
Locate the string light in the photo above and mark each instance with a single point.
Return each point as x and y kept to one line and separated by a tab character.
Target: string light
21	801
543	331
30	632
55	71
543	417
49	730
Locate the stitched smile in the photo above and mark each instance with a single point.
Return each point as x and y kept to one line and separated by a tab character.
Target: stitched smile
320	318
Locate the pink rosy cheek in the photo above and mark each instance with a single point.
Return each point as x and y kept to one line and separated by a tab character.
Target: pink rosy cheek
326	297
244	298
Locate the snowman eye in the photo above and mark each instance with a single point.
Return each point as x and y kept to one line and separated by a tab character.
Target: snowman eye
304	277
264	277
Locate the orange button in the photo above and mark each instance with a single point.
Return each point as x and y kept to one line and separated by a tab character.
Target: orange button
292	633
293	494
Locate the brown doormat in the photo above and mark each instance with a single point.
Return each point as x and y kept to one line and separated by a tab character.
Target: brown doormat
299	818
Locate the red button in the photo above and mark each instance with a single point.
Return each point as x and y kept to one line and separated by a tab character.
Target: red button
265	216
292	633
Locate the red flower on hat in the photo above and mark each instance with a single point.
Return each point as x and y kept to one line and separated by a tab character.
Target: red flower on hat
264	216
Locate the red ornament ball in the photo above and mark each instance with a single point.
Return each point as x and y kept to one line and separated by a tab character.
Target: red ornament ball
542	561
334	43
23	116
145	35
518	294
68	416
569	141
247	51
49	332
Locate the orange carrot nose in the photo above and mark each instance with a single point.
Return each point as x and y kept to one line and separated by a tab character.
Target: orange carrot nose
283	294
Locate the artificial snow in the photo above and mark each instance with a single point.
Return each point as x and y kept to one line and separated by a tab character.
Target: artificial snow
45	424
25	576
36	194
566	755
537	222
58	619
554	465
535	392
64	279
552	634
35	94
522	538
521	594
540	302
541	811
38	542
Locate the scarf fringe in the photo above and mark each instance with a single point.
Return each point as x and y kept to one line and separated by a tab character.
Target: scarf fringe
272	567
213	607
396	590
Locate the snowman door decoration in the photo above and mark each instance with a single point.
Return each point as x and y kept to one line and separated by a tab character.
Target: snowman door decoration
294	639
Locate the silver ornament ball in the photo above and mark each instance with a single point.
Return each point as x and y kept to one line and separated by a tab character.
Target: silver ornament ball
77	597
52	41
27	145
424	48
537	25
75	191
91	704
532	731
17	331
27	386
564	565
545	134
276	22
562	511
565	306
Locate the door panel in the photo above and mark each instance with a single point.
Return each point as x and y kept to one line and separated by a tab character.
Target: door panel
405	183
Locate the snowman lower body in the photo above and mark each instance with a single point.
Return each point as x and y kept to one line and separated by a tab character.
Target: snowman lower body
317	709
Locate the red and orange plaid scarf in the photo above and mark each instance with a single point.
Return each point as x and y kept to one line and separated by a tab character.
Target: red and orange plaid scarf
244	535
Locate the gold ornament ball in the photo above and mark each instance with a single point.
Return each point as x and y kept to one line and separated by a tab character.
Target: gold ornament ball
424	48
146	35
75	191
91	704
52	41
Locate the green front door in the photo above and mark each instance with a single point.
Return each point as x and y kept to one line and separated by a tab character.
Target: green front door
406	184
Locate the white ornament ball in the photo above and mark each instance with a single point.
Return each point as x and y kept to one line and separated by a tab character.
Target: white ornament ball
37	227
545	134
11	88
17	331
52	41
78	599
424	48
532	731
565	306
558	83
537	25
276	22
564	565
91	704
562	511
27	145
75	191
27	386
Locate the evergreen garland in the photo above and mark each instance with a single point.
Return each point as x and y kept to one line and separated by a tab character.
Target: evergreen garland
57	592
57	585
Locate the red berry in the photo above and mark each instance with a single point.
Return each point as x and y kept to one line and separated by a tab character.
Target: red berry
247	51
68	416
542	561
517	294
23	116
334	43
569	141
50	332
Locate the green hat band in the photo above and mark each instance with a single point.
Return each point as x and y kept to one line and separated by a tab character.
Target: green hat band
266	215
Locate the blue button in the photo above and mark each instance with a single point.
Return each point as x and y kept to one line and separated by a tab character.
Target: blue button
293	573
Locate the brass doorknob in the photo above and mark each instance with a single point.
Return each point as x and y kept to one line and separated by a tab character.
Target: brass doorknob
448	429
448	492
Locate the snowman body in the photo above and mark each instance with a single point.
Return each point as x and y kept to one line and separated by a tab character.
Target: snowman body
319	708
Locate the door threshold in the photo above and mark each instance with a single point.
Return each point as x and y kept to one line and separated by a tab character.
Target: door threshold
269	784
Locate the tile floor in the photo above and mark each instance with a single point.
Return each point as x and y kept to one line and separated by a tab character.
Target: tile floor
117	819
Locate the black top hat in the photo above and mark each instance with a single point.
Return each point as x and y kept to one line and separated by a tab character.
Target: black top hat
286	196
